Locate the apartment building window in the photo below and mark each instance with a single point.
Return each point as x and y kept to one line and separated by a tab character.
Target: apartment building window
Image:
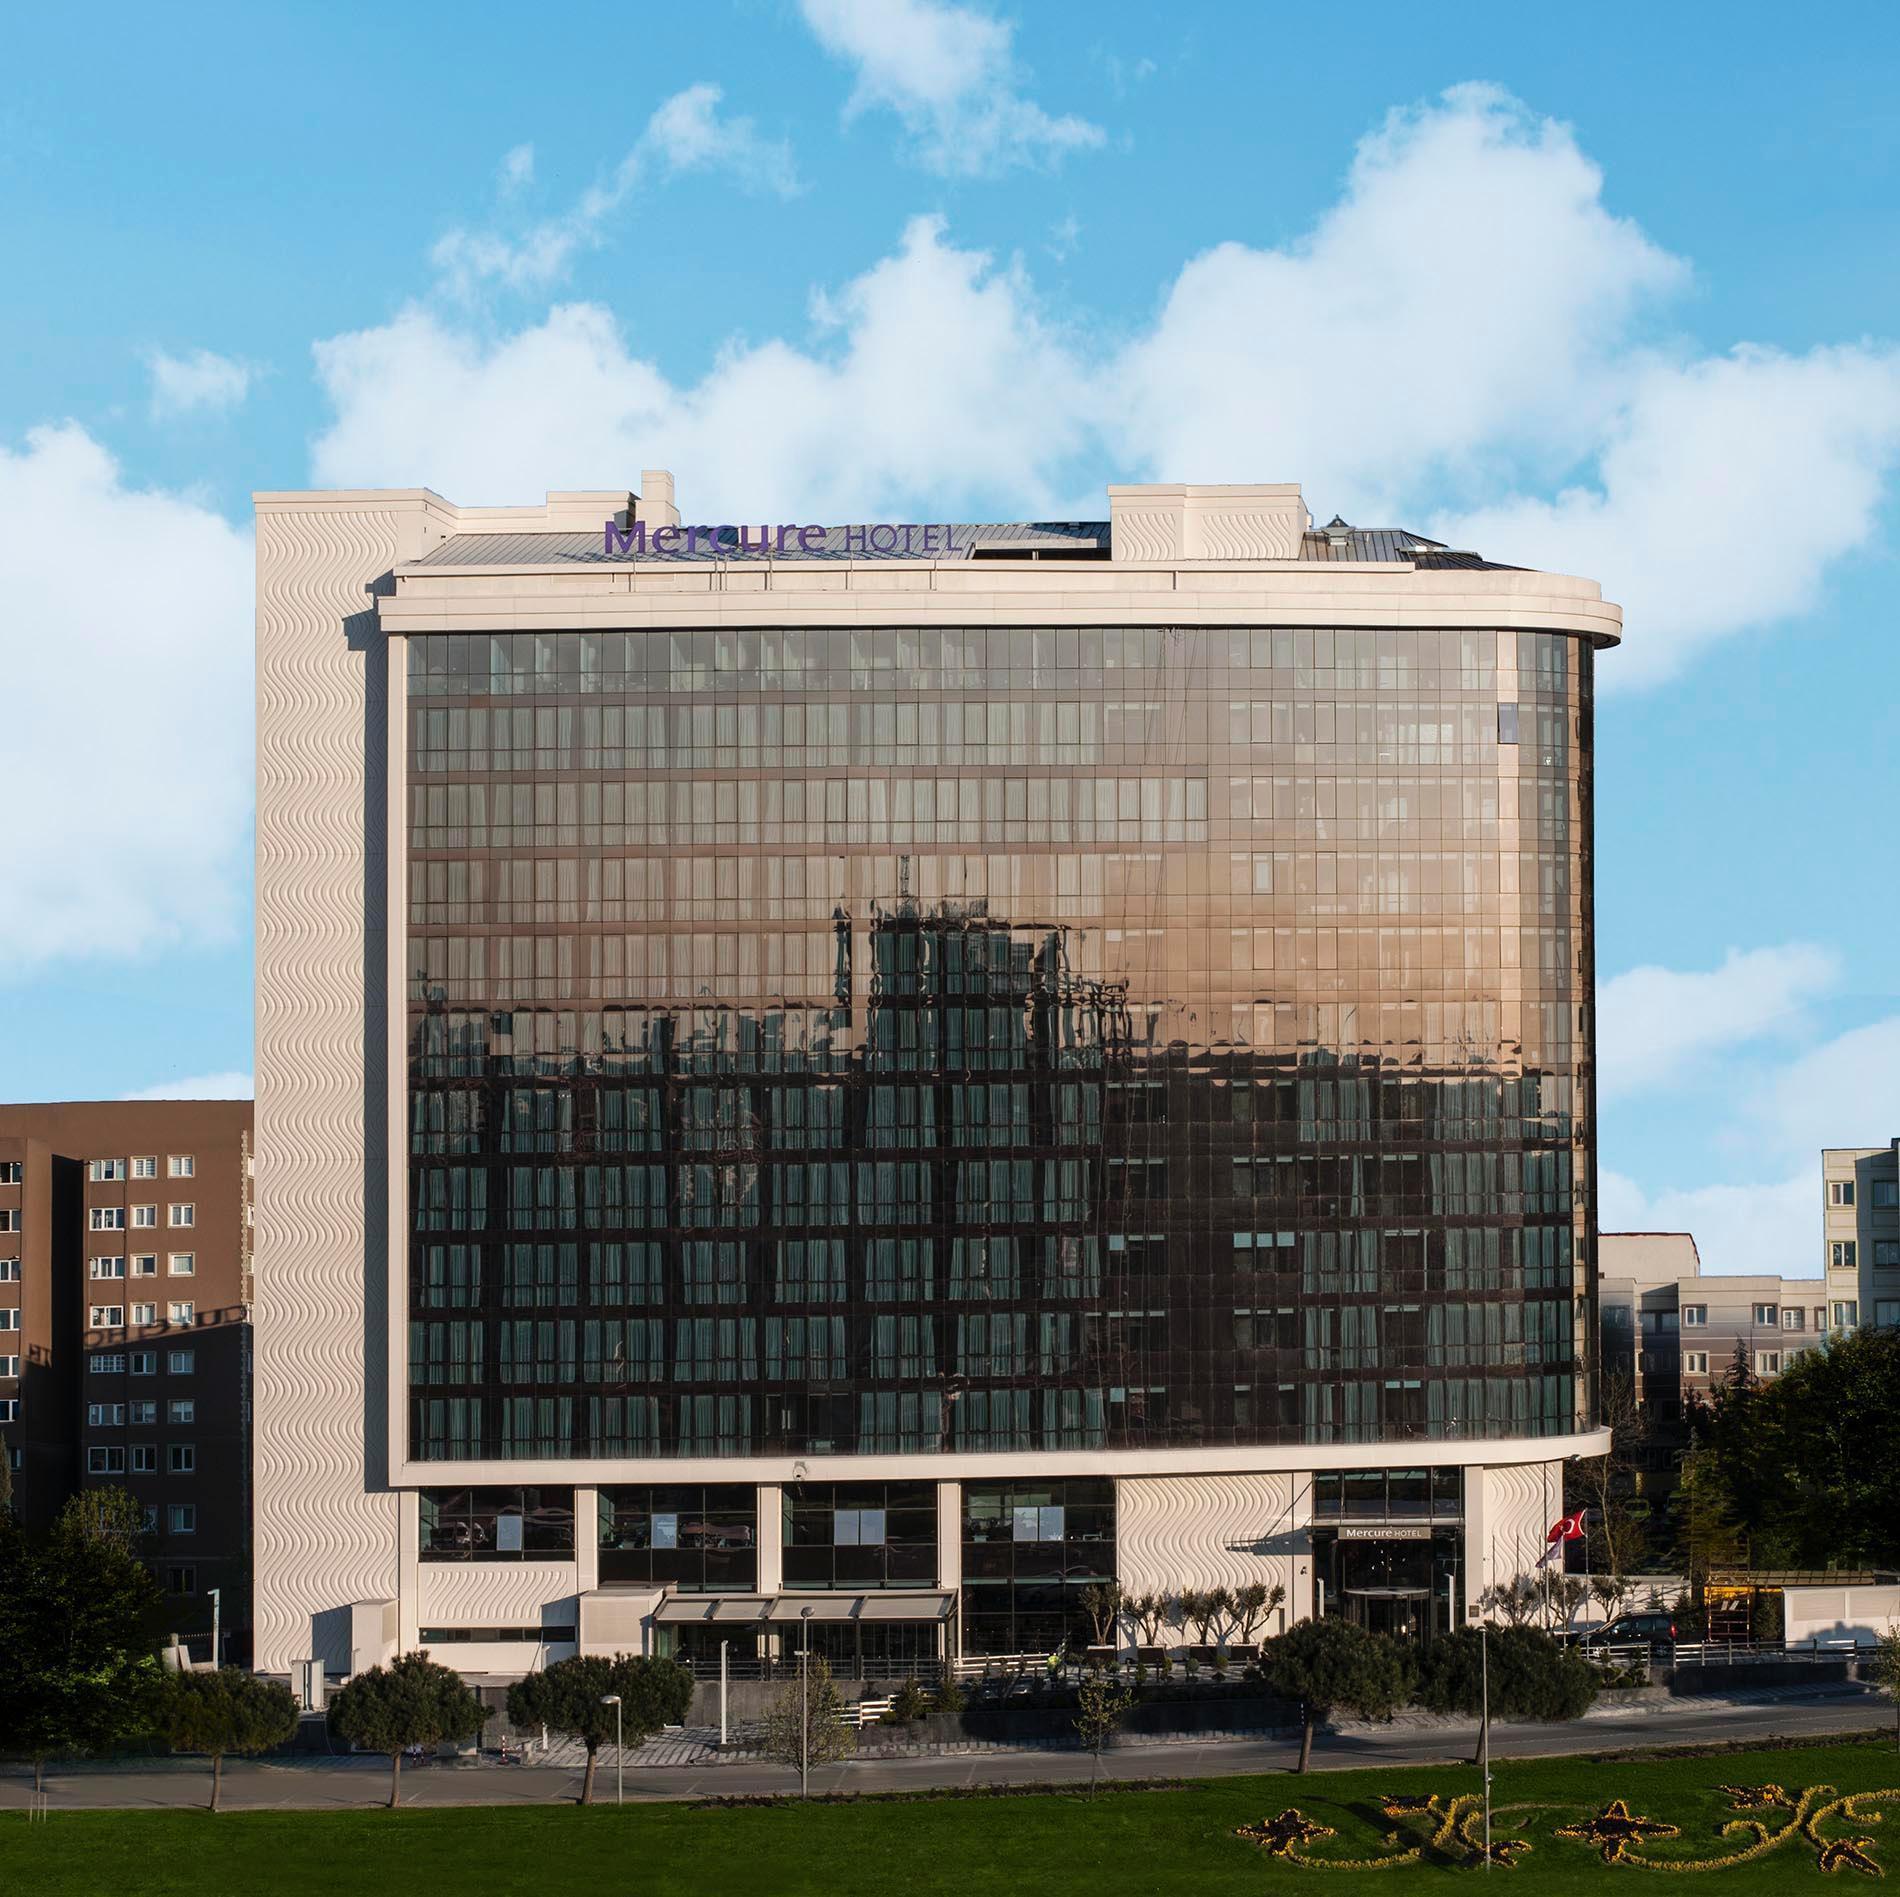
1768	1314
10	1173
1793	1318
144	1217
182	1311
106	1363
145	1314
145	1264
107	1218
145	1410
9	1218
151	1519
145	1363
105	1415
108	1268
106	1317
181	1580
181	1458
1695	1362
106	1459
183	1212
1846	1313
9	1366
1840	1192
145	1166
181	1363
181	1518
1843	1255
9	1271
1886	1193
1768	1362
1887	1251
182	1264
144	1459
181	1166
9	1317
181	1409
1694	1314
104	1169
1887	1312
9	1405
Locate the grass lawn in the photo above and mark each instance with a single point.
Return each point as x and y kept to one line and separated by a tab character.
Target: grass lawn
1048	1844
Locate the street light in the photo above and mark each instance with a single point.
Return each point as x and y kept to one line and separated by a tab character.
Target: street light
804	1703
620	1750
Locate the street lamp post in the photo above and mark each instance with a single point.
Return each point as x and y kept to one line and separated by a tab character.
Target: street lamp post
804	1703
1484	1732
217	1610
620	1750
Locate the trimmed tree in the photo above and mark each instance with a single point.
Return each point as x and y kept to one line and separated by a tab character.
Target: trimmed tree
1885	1671
1252	1604
1103	1603
569	1697
410	1702
1329	1664
78	1631
1099	1710
805	1725
226	1711
1532	1676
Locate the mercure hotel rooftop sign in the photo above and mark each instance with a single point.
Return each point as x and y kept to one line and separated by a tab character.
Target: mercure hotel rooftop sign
638	537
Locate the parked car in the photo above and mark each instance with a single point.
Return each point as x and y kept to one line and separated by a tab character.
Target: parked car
1657	1632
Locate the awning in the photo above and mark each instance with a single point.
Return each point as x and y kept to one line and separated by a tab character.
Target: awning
797	1607
907	1606
681	1610
787	1610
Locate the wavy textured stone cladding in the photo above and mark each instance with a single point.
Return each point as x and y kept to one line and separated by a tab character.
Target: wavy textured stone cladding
325	1524
1209	1531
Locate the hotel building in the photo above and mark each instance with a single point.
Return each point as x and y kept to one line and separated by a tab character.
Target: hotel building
870	1081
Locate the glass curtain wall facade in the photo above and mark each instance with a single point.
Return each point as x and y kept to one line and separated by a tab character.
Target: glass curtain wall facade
908	1041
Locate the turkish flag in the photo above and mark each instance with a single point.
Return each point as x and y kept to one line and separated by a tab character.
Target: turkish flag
1565	1528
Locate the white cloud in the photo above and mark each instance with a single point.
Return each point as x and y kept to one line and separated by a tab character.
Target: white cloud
226	1086
128	665
1843	1092
1723	491
685	133
516	172
1467	337
201	380
1774	1229
936	380
949	74
1653	1023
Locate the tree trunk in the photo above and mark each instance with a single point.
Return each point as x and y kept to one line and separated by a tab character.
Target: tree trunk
217	1777
395	1778
1306	1742
587	1782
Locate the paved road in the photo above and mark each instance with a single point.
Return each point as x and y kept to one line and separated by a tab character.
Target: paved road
332	1784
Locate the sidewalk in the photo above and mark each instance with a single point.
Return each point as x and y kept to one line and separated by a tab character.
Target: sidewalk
689	1764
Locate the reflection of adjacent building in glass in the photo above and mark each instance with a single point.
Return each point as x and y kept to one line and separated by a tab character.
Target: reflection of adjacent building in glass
938	1084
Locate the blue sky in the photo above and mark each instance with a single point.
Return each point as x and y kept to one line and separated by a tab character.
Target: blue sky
1614	294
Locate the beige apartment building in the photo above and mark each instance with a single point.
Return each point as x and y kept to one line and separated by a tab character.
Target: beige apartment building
1860	1234
867	1078
1672	1330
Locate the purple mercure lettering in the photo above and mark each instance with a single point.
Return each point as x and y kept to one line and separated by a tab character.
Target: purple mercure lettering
634	540
810	539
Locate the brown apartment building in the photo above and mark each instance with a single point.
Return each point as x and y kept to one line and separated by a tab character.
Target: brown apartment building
125	1328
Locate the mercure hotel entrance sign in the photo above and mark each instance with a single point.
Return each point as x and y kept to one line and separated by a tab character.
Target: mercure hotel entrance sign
883	1076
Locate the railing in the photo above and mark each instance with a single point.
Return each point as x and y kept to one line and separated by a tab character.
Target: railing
758	1667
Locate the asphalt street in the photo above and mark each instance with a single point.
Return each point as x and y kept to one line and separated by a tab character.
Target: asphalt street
317	1783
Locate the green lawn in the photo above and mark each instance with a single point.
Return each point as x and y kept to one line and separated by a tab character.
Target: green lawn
1047	1844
